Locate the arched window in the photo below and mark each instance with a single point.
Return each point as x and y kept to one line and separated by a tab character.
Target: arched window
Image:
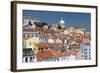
30	59
26	59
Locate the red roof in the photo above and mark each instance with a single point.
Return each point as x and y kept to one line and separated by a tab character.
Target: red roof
42	45
54	44
48	54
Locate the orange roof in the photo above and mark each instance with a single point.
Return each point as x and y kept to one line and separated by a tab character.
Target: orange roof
42	45
49	54
46	45
54	44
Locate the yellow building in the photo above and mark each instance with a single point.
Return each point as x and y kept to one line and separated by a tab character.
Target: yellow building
31	42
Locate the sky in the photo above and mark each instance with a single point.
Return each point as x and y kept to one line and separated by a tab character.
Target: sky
54	17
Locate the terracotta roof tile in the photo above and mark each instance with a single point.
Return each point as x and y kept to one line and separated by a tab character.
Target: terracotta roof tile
42	45
49	54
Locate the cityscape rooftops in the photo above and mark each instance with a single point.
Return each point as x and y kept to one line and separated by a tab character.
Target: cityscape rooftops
49	54
42	45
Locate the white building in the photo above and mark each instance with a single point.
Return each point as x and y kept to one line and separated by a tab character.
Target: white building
86	51
65	41
31	33
28	55
66	32
43	38
50	40
58	40
27	19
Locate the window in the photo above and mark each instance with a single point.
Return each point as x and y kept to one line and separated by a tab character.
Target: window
58	59
39	49
85	49
36	35
85	56
46	58
42	49
85	52
24	35
30	59
25	53
30	43
32	35
27	35
26	59
33	57
89	52
54	59
89	58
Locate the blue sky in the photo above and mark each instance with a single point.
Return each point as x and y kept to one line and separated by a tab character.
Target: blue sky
70	18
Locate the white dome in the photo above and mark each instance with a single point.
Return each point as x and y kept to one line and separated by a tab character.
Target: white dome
62	21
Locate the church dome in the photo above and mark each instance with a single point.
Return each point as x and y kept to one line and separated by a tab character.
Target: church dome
62	21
